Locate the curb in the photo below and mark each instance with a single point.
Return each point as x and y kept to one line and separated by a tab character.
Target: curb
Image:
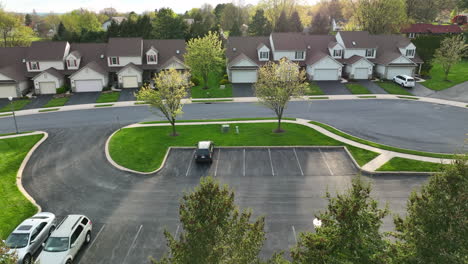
19	175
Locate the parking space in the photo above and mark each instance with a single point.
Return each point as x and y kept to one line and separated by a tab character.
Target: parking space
83	98
242	90
333	87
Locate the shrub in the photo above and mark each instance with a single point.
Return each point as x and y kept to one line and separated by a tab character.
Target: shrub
195	81
63	89
223	81
225	76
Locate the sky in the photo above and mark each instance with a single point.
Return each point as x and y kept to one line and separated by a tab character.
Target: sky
138	6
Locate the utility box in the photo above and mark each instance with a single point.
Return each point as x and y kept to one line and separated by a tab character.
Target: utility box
224	128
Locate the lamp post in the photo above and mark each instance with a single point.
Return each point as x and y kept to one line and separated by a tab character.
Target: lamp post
13	110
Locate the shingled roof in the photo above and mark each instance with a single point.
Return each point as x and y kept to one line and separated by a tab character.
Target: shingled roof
246	45
288	41
46	51
357	40
167	48
11	63
388	49
429	28
122	47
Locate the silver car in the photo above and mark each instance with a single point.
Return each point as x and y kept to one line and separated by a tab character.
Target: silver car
28	237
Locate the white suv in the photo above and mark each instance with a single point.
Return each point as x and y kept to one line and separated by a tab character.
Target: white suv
65	242
404	80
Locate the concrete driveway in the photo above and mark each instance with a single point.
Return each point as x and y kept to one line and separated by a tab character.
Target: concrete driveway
128	94
39	101
83	98
69	174
420	90
333	87
456	93
372	87
242	90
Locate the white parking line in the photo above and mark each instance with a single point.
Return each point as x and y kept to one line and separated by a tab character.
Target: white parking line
133	244
271	163
244	164
326	163
294	233
190	163
92	243
298	163
217	162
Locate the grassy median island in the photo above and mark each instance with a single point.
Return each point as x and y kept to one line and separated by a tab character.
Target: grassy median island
402	164
393	88
108	97
54	102
14	206
143	148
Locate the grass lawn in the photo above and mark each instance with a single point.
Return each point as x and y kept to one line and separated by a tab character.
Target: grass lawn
313	89
143	148
356	88
402	164
213	90
393	88
218	120
14	206
458	74
48	110
17	105
104	105
108	97
377	145
54	102
9	114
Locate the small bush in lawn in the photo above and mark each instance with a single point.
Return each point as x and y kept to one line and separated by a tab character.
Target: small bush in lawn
223	81
195	81
225	76
63	89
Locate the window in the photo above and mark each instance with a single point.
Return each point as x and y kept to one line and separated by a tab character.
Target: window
337	53
71	63
76	234
370	52
264	55
114	60
299	55
410	53
152	58
38	230
34	65
411	35
84	221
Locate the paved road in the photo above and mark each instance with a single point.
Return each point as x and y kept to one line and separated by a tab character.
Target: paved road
69	174
408	124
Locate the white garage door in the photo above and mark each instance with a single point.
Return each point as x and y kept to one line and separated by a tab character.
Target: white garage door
7	91
361	73
88	86
326	74
47	88
394	71
244	76
130	82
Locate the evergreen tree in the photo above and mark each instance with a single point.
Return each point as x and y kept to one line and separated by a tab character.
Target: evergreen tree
168	25
282	24
113	30
259	26
144	26
295	23
320	24
62	33
235	30
435	228
27	20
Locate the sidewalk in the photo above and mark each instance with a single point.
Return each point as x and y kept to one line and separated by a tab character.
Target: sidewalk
372	166
239	100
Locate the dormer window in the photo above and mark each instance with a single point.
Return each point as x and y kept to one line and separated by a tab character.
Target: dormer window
34	65
264	55
114	60
71	63
370	52
410	52
152	58
337	53
299	55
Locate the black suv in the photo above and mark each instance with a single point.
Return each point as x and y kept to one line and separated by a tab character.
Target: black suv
204	152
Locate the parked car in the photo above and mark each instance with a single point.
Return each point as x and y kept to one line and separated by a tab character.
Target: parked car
64	243
28	237
404	80
204	152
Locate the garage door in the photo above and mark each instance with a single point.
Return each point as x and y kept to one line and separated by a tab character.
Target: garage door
130	82
88	86
394	71
244	76
326	74
361	73
47	88
7	91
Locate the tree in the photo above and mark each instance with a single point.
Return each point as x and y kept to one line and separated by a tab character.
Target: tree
13	32
168	25
214	231
235	30
259	26
434	229
8	23
427	10
172	86
450	52
62	32
27	20
295	24
349	231
5	257
205	55
426	46
274	8
282	24
277	83
319	25
380	16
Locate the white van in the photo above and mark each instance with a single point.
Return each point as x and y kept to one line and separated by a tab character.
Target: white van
404	81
